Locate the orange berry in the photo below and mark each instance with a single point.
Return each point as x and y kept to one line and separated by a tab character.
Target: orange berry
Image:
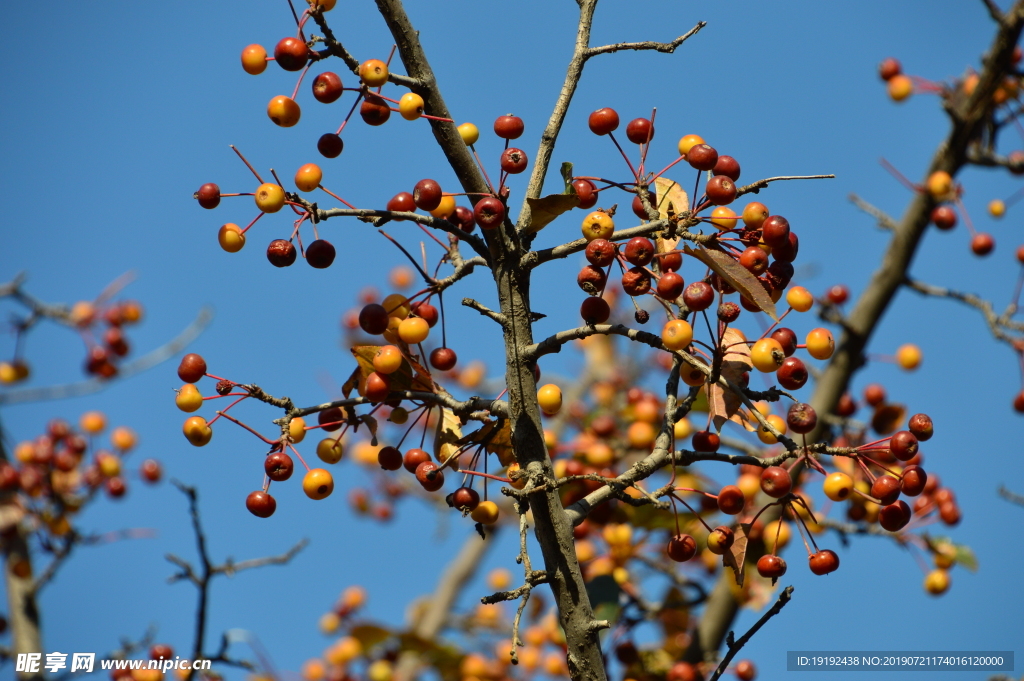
445	208
254	59
766	436
189	398
231	238
388	359
93	422
996	208
688	142
767	355
197	431
754	214
83	313
284	111
410	106
677	334
908	356
318	484
550	399
723	217
777	528
641	435
413	330
307	178
297	429
820	344
123	438
597	225
269	197
682	429
373	72
900	87
800	299
940	184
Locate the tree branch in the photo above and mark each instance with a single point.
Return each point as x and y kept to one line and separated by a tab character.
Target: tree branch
735	646
884	221
667	48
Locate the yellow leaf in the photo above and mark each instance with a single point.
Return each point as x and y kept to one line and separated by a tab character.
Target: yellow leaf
447	436
544	210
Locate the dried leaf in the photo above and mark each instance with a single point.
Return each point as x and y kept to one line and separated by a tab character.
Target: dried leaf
369	635
723	403
737	553
545	209
888	418
10	515
672	199
371	424
738	276
447	436
352	383
501	444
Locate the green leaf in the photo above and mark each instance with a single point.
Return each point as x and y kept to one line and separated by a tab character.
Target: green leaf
738	276
567	178
545	209
966	557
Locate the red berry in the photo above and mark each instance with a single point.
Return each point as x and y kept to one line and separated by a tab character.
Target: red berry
731	500
792	375
921	426
389	458
894	517
903	445
728	312
427	194
191	368
775	231
913	481
429	477
374	110
465	499
698	296
595	310
281	253
636	281
586	192
261	504
727	166
982	243
373	319
291	54
721	190
425	311
320	254
702	157
403	202
443	359
327	87
944	217
640	131
513	161
755	260
801	418
874	394
463	218
824	562
603	121
208	195
413	458
886	489
670	286
771	567
670	262
681	548
776	482
787	339
889	68
639	251
705	441
600	252
508	127
330	145
786	252
489	212
278	466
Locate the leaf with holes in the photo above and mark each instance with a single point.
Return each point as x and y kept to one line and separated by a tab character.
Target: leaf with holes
738	276
724	404
447	436
544	210
737	553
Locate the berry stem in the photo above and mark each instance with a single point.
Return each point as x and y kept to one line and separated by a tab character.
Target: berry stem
480	164
320	186
636	176
250	225
662	171
302	75
304	464
239	423
351	111
247	164
899	176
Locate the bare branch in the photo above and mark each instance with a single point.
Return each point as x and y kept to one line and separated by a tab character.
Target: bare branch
756	187
335	48
884	220
229	567
154	357
485	311
667	48
994	11
1011	497
735	646
997	324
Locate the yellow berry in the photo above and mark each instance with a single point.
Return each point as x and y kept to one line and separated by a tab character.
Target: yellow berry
410	106
469	133
936	582
778	423
597	225
374	72
683	429
940	184
231	238
445	208
641	435
297	429
723	217
677	334
284	111
330	450
396	305
754	214
820	344
486	513
767	355
779	528
197	431
800	299
318	484
269	197
189	399
398	416
550	399
996	208
838	486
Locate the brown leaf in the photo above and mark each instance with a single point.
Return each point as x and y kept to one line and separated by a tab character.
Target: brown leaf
447	436
545	209
737	553
888	418
738	276
369	635
352	383
725	404
672	200
501	444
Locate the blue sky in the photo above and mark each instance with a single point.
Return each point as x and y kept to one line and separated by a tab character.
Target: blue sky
116	112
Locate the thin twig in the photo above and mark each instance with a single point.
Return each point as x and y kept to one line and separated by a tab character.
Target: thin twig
735	646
